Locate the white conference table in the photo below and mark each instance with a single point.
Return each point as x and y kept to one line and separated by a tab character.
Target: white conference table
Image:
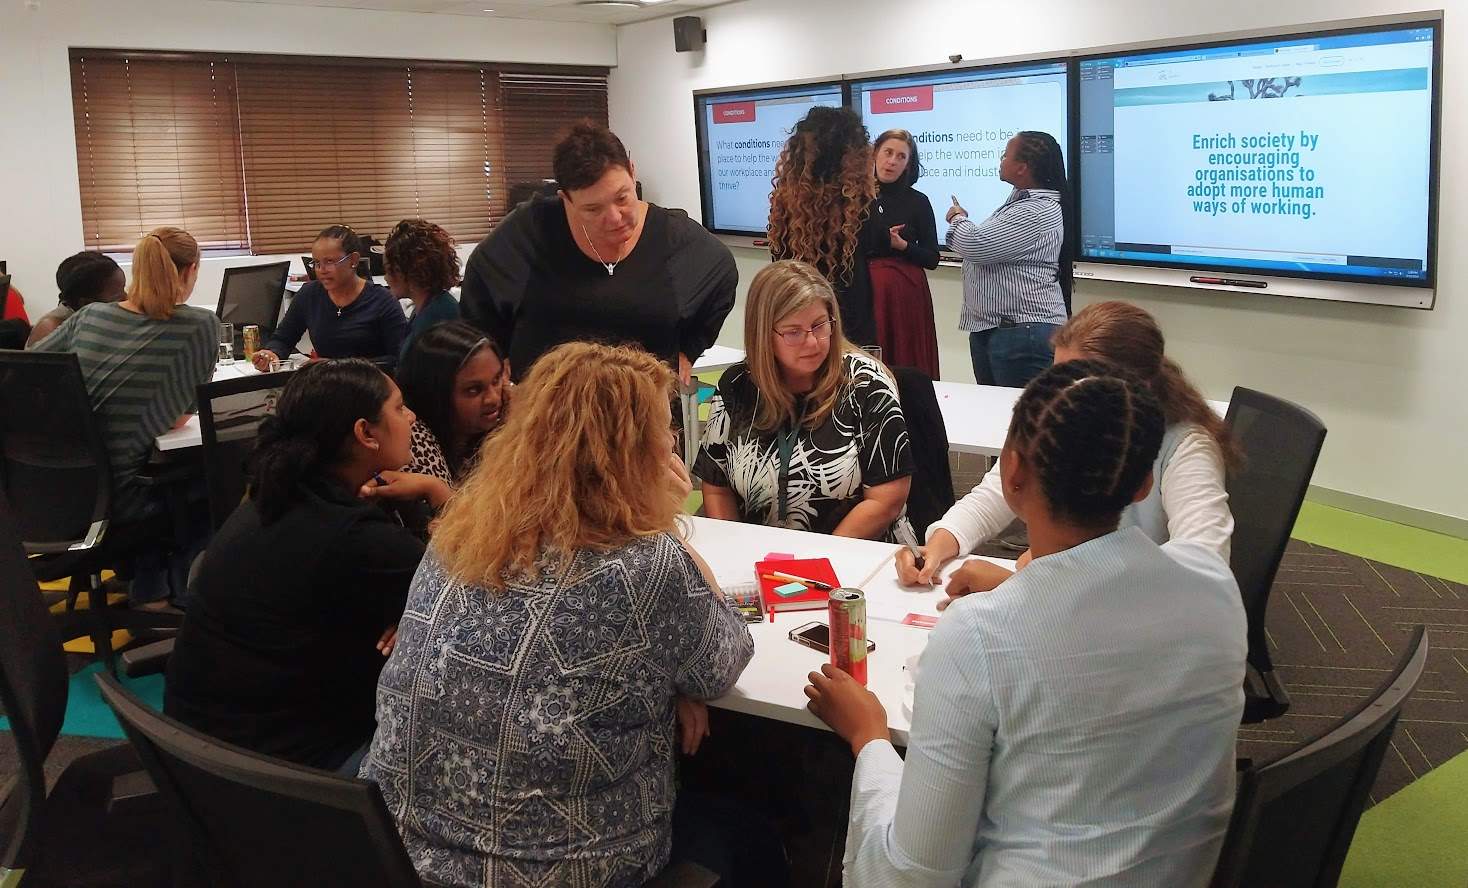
773	685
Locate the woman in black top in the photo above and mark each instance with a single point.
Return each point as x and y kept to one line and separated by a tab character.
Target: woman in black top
595	263
348	317
819	207
298	597
905	242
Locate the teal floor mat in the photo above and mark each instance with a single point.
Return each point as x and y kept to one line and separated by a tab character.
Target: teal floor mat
88	716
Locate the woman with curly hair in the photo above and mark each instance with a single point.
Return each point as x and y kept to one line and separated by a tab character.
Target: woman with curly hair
421	265
526	719
823	193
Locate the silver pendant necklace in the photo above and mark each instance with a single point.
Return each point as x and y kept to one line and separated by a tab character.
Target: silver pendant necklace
611	267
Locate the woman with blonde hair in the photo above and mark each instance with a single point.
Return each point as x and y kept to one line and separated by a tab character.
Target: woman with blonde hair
1188	500
526	718
141	359
822	198
807	431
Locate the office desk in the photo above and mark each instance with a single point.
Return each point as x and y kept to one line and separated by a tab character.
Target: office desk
773	685
189	435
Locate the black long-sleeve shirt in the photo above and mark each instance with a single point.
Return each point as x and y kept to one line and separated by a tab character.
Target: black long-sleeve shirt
372	327
279	654
853	285
530	287
901	204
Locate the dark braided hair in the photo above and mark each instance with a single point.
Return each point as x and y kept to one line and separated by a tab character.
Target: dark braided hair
81	277
1042	154
422	253
351	241
1091	432
311	428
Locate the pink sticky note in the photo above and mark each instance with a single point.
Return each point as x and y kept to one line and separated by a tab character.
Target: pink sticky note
778	556
922	621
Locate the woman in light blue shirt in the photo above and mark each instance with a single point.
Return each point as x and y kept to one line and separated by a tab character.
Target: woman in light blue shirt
1076	725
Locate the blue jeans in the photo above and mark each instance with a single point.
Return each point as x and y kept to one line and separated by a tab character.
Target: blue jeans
1011	356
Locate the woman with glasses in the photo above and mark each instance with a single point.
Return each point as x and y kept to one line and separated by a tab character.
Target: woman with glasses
807	432
347	317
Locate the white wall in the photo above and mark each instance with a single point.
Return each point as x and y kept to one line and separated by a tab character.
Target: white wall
40	205
1389	383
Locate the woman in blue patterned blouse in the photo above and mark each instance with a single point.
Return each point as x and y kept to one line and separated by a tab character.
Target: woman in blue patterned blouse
525	721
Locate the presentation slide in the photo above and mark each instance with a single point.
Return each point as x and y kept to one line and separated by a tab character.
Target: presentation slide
740	135
1310	156
962	121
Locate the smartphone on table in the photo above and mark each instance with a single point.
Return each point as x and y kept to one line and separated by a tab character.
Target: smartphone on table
817	635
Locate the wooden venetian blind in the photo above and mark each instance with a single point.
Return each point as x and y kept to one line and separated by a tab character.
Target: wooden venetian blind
538	106
368	146
157	144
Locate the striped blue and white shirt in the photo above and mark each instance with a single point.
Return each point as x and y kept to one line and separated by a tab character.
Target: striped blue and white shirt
1073	727
1011	262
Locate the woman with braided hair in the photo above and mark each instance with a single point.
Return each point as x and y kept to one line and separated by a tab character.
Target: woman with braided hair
1187	500
823	193
1076	725
1017	264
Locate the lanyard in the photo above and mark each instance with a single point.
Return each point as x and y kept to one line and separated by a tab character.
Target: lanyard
785	442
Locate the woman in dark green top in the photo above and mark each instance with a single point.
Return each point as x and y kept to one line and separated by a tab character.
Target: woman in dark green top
421	265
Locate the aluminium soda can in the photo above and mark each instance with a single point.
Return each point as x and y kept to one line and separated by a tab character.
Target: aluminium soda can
848	615
251	341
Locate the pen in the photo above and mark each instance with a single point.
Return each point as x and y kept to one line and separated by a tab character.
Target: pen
917	555
781	575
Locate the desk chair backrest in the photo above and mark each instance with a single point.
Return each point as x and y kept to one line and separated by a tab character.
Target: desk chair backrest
1281	442
252	294
33	692
1294	818
932	478
253	820
54	467
230	413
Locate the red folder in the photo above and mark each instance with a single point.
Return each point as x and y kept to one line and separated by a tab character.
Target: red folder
812	598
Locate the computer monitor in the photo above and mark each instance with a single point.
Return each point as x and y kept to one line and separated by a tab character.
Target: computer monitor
252	294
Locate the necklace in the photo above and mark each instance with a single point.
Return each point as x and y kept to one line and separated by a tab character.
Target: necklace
610	266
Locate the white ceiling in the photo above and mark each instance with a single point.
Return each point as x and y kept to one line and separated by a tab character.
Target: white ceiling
540	10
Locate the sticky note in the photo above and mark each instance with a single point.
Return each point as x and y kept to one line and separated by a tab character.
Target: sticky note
789	589
779	556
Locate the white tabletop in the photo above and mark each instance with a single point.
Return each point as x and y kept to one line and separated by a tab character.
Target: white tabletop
717	357
189	435
773	685
977	416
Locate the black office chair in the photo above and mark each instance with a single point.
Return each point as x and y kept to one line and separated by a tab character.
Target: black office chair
252	294
54	470
230	413
101	815
248	819
932	478
1294	818
1281	442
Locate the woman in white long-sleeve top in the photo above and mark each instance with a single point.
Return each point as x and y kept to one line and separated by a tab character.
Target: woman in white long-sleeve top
1076	725
1187	500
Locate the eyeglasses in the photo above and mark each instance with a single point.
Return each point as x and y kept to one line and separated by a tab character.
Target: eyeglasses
331	263
821	332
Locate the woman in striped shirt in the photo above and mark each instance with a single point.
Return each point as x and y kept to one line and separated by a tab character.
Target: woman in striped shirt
1017	264
1075	726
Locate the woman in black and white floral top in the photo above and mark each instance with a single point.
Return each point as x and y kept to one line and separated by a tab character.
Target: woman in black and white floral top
807	432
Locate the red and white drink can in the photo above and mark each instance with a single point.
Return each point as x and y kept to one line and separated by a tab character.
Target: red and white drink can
848	615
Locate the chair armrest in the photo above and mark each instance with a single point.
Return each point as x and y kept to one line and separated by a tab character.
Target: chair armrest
683	874
148	659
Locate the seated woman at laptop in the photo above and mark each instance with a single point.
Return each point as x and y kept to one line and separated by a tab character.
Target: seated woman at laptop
142	358
807	431
346	316
1076	725
1188	500
82	279
526	719
296	595
421	265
